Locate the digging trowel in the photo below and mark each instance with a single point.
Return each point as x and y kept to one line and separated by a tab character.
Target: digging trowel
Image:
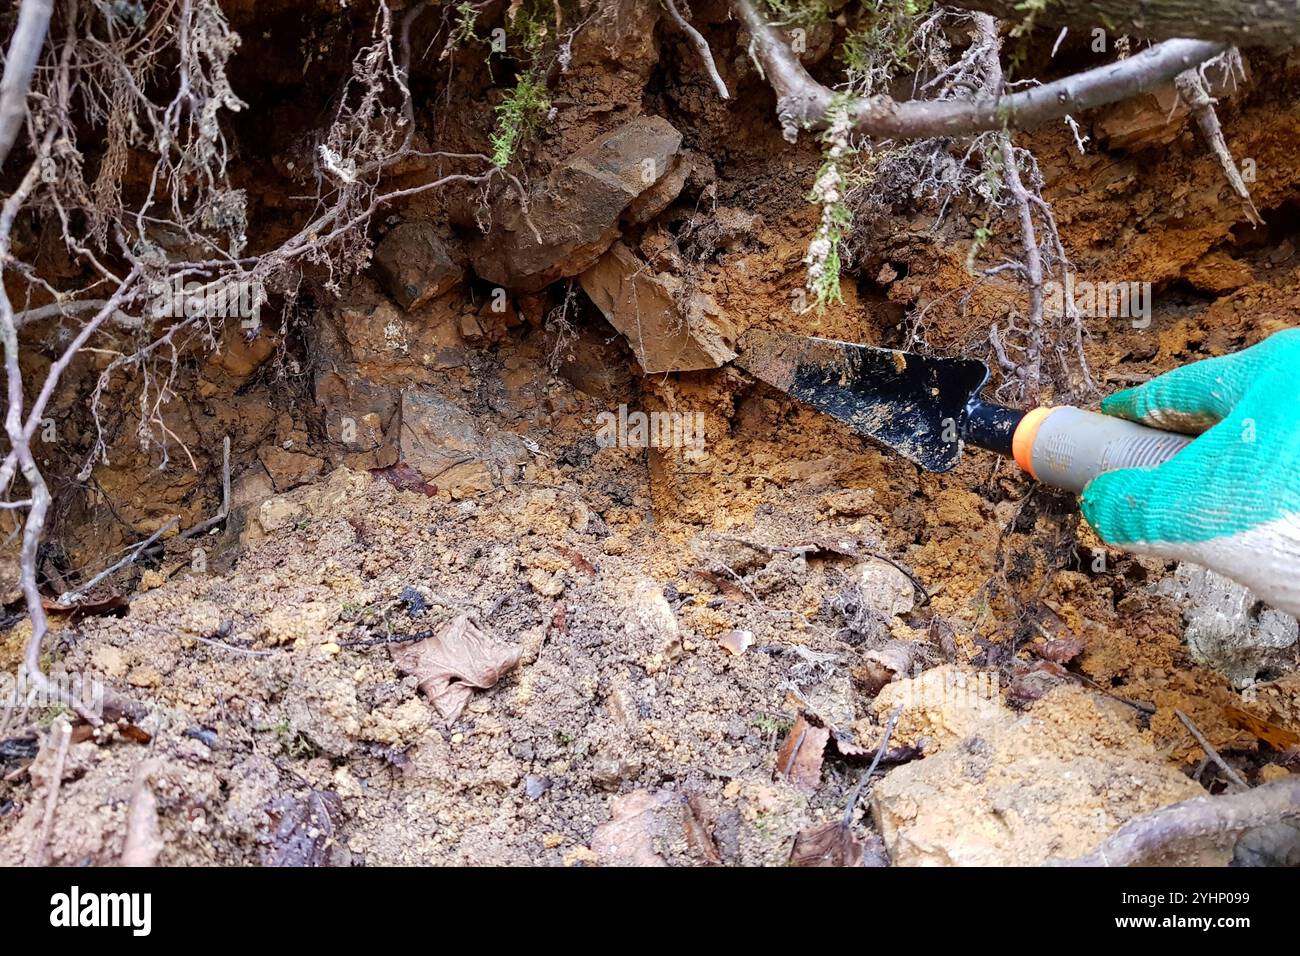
926	407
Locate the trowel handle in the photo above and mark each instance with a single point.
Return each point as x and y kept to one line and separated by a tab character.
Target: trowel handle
1067	447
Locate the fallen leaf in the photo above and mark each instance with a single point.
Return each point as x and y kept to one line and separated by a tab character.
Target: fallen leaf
117	604
578	560
454	662
1033	681
799	761
1280	738
301	831
891	757
135	734
699	835
635	823
1058	650
405	478
833	844
885	665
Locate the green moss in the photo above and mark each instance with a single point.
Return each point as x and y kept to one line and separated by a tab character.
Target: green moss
798	13
882	41
517	117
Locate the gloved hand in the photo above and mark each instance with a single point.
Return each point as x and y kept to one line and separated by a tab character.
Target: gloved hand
1229	501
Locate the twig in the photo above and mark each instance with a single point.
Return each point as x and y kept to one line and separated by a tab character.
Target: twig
701	46
62	730
875	762
1191	88
389	639
1211	752
249	651
224	513
143	840
1031	373
70	597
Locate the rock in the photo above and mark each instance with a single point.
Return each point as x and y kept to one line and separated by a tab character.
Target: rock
289	469
414	266
325	711
1227	629
358	419
386	347
886	588
607	772
1022	790
250	487
736	642
576	210
238	355
658	197
1218	273
620	36
945	704
444	443
669	327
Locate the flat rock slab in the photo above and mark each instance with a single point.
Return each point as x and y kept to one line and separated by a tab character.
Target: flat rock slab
577	210
670	328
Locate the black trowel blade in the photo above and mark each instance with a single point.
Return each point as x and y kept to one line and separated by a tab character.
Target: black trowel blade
914	404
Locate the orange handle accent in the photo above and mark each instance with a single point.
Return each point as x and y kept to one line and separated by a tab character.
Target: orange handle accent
1022	442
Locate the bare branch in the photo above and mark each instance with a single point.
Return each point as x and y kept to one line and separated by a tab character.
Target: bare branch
71	308
1274	23
803	103
20	61
1195	823
701	46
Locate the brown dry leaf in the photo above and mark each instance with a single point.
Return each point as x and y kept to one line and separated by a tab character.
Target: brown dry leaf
455	661
1032	681
1059	650
302	830
1280	738
636	821
699	834
833	844
577	559
891	757
885	665
405	478
117	605
799	761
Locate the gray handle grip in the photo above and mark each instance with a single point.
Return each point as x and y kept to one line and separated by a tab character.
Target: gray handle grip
1074	446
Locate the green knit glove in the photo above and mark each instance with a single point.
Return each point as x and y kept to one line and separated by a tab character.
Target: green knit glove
1230	500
